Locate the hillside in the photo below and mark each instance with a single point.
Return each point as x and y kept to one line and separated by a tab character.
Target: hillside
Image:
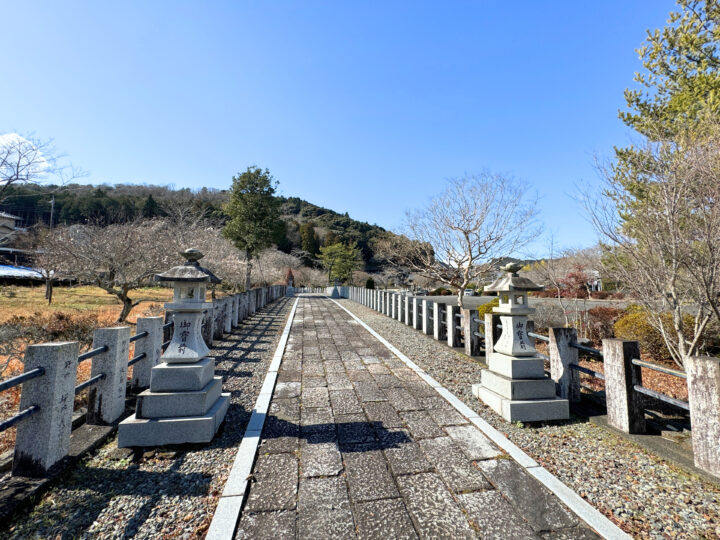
106	204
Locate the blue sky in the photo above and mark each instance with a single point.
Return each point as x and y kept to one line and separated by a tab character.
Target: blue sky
364	107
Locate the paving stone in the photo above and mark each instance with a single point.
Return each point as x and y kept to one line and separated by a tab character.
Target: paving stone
402	400
285	409
367	473
290	376
275	483
334	366
383	412
360	375
313	369
472	442
403	454
538	506
313	420
369	391
338	381
319	457
432	507
378	369
384	519
434	402
447	417
324	509
286	390
421	425
387	381
457	470
354	428
494	517
345	402
421	389
313	382
315	397
279	436
266	525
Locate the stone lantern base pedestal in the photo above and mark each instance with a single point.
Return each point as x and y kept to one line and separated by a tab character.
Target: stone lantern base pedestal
517	389
185	404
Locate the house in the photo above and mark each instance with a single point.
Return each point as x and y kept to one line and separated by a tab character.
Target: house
8	227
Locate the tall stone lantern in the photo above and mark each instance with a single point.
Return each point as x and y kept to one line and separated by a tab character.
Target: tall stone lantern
515	385
185	403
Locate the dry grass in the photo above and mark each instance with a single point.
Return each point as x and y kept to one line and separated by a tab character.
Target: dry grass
26	301
82	307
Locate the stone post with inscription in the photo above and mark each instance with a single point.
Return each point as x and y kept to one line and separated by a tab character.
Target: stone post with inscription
515	386
185	403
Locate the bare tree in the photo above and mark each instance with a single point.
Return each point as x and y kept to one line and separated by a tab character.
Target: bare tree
118	258
662	230
26	160
454	239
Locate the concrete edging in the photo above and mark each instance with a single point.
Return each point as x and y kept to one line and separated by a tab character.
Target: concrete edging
227	512
584	510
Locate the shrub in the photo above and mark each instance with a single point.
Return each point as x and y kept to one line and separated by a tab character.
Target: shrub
601	321
487	308
370	283
440	291
600	295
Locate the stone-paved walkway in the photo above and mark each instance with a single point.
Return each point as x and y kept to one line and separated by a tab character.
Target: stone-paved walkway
356	445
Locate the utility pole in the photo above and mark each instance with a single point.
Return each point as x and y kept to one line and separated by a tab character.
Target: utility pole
52	210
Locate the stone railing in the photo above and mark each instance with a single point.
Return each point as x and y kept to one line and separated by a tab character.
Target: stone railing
44	421
624	393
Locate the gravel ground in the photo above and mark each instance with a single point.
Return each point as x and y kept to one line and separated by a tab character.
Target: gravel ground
172	492
647	497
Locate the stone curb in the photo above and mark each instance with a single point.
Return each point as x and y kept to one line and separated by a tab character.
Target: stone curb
225	518
590	515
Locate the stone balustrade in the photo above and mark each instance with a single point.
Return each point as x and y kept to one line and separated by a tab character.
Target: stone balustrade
622	375
50	369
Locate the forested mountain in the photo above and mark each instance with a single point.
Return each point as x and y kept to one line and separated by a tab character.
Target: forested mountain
305	227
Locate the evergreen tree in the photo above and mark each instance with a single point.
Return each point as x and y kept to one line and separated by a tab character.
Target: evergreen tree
340	260
253	212
151	208
309	240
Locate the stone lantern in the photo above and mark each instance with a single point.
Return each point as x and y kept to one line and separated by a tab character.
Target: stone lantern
515	385
185	403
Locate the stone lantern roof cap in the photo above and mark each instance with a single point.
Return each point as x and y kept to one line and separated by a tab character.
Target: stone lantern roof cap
191	271
512	281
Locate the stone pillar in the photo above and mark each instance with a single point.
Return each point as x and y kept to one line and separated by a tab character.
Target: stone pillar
471	328
244	308
407	315
416	315
624	405
427	317
150	345
43	439
391	312
439	329
454	336
386	303
400	308
208	326
219	316
703	380
492	332
562	357
235	309
106	398
227	314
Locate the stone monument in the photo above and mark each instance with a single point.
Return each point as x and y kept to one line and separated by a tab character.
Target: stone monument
515	386
185	403
290	283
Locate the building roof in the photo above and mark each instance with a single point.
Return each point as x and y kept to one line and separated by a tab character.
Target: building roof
22	272
8	216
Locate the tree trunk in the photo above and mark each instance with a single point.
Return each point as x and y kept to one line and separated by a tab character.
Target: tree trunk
49	290
461	294
127	307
